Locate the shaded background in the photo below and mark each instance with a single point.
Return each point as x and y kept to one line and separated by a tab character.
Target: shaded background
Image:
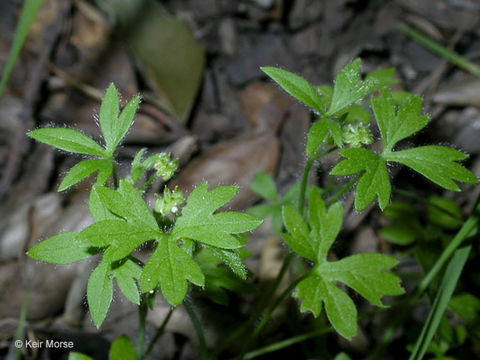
196	64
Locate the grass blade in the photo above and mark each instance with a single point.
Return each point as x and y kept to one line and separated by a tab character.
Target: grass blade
449	282
442	51
29	11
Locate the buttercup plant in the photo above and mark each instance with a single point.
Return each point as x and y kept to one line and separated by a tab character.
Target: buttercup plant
123	221
191	244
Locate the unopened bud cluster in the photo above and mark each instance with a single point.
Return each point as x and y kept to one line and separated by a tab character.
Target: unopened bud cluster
357	135
169	202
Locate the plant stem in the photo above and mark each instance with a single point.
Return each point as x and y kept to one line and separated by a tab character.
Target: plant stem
159	333
114	176
269	313
147	183
343	190
303	185
286	343
198	328
142	316
439	49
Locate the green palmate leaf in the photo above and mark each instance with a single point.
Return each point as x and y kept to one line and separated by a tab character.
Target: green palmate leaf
436	163
86	168
366	274
115	127
349	87
120	236
340	309
125	121
319	131
100	292
126	275
122	349
199	223
397	124
298	238
100	287
172	267
127	203
61	249
68	140
374	181
296	86
97	209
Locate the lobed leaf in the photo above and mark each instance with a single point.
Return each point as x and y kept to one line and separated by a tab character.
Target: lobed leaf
296	86
373	183
100	292
397	124
114	127
97	209
127	203
86	168
340	309
100	287
319	131
125	275
366	274
68	140
436	163
120	236
298	238
170	266
349	87
61	249
199	223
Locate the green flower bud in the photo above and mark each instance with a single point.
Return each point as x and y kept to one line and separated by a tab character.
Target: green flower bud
170	201
164	166
357	135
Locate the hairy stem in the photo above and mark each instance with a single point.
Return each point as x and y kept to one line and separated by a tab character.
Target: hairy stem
198	328
158	333
142	316
343	190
